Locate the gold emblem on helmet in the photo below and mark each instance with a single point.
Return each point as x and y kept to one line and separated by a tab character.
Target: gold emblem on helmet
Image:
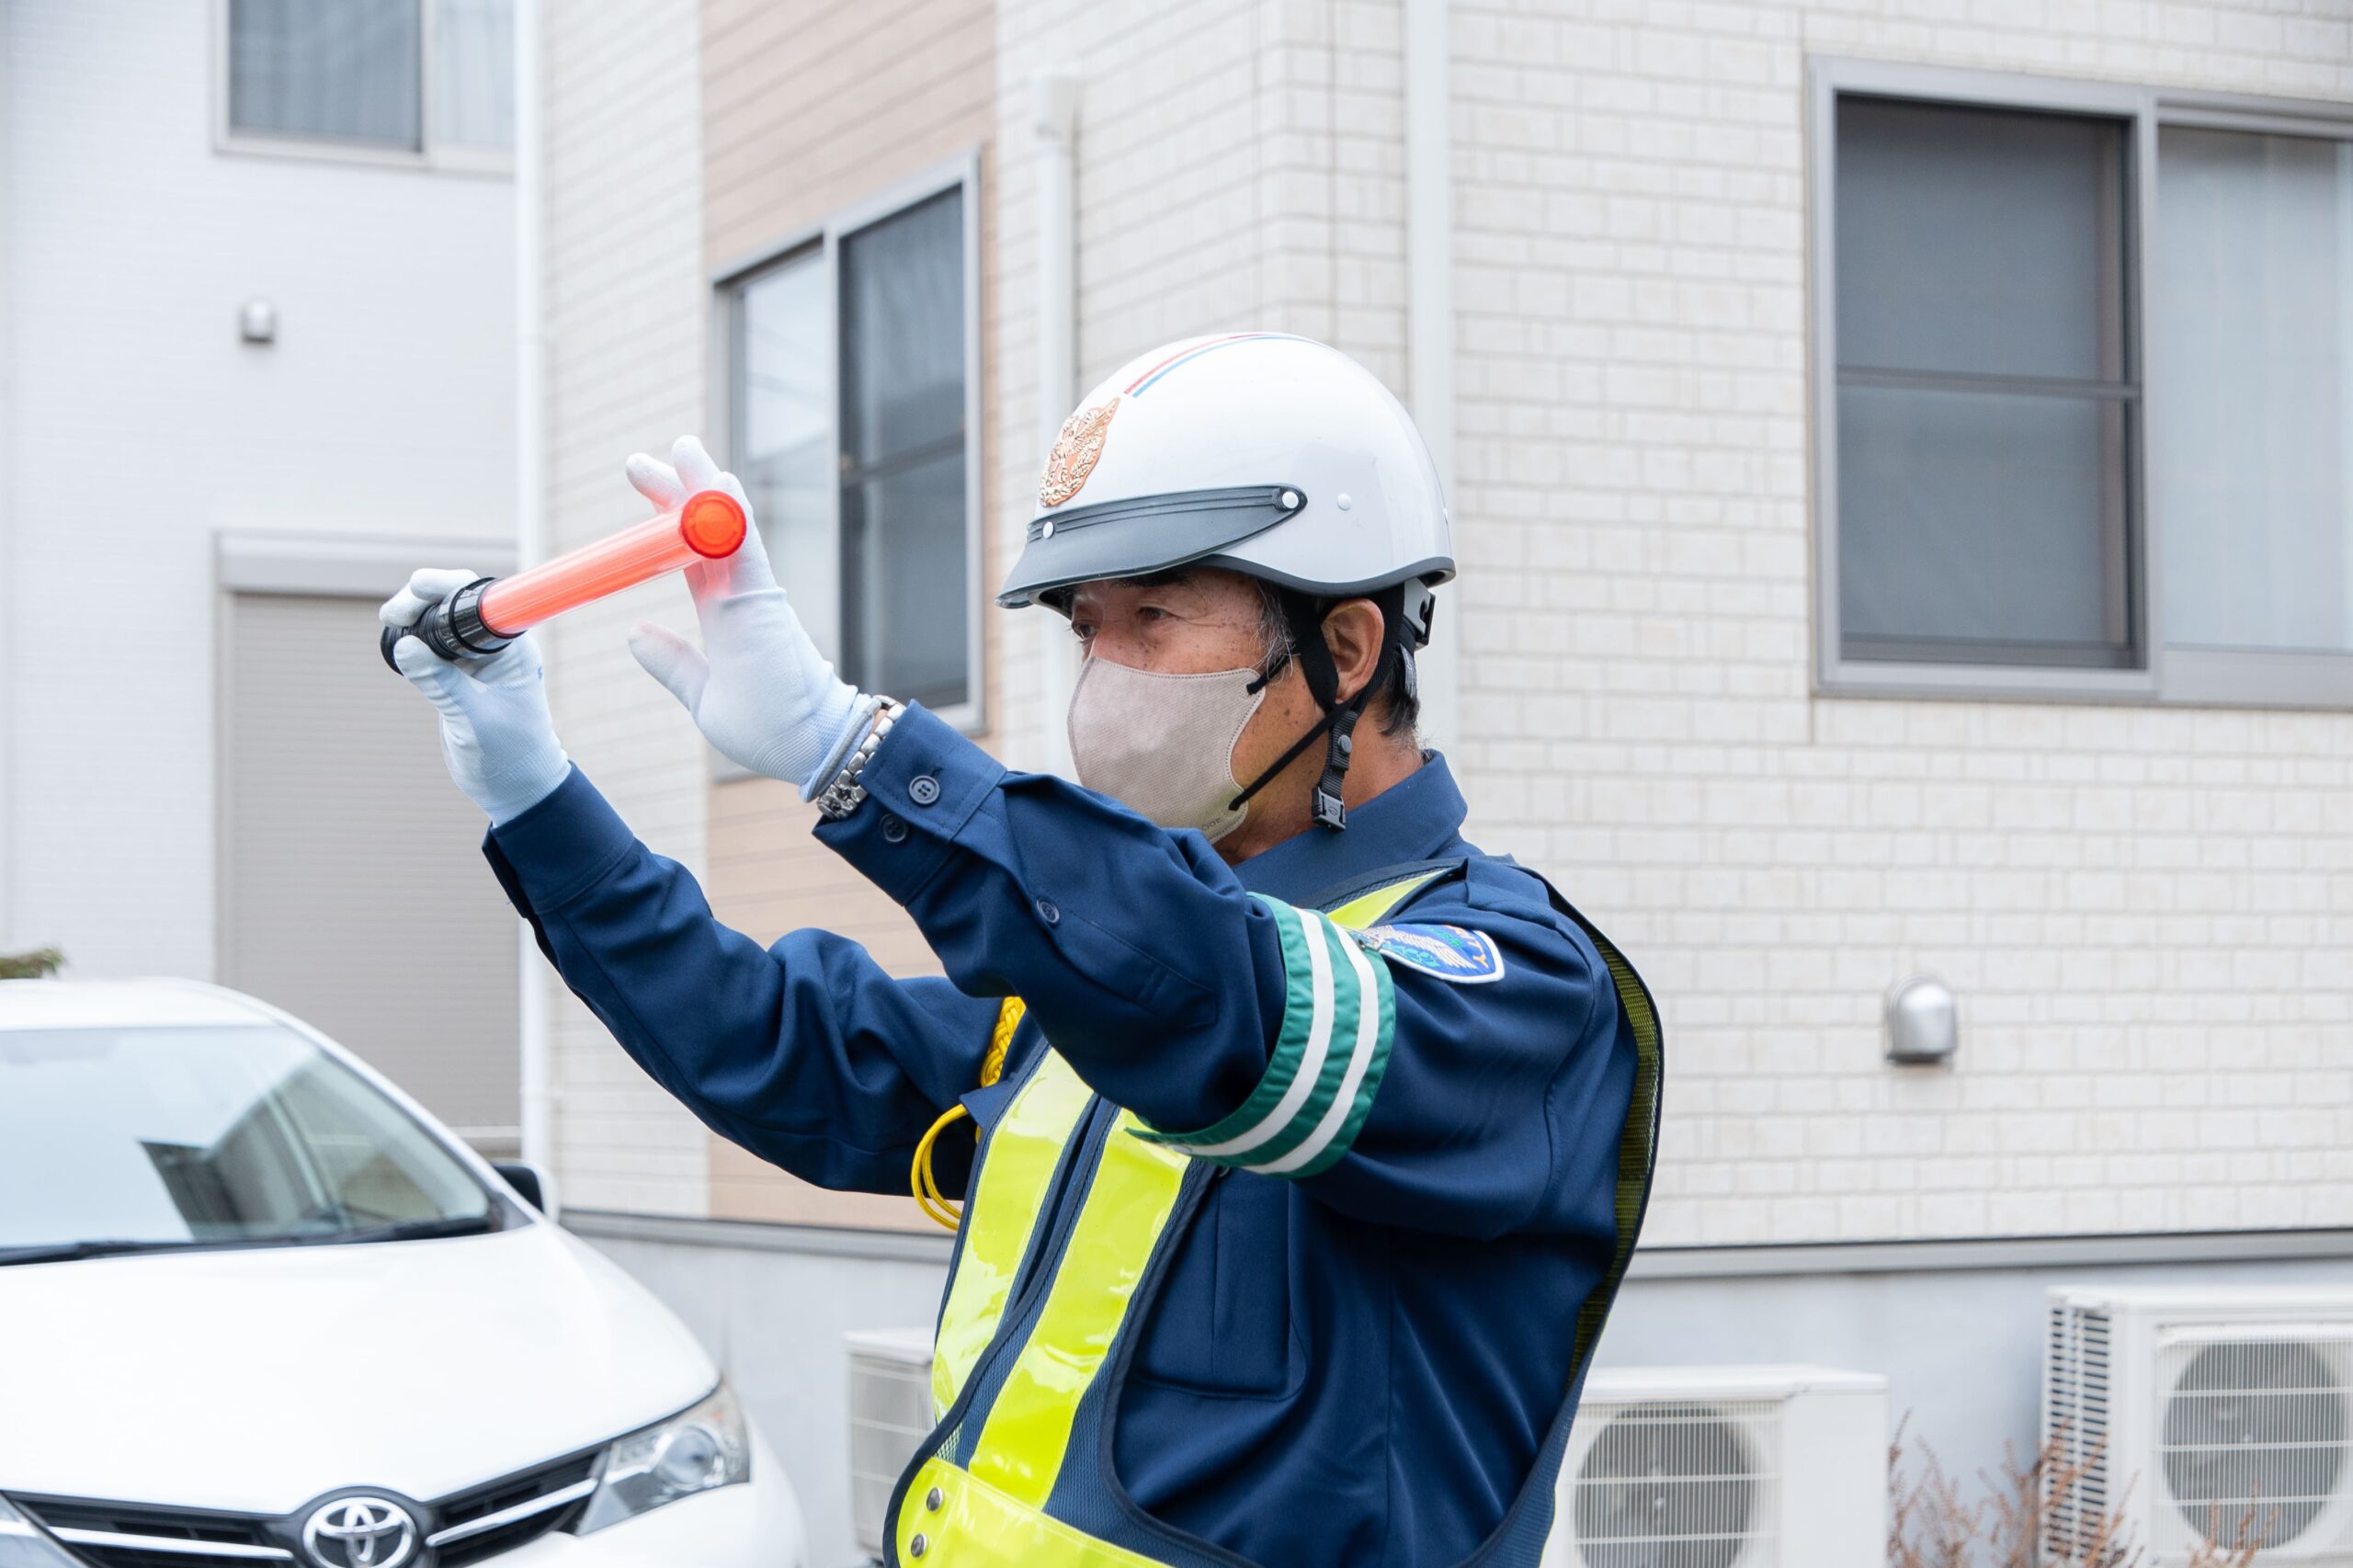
1075	454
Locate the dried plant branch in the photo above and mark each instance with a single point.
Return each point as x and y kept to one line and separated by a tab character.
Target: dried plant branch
1931	1526
2246	1538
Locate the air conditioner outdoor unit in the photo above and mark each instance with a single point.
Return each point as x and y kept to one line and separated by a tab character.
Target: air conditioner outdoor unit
2197	1408
890	1416
1724	1467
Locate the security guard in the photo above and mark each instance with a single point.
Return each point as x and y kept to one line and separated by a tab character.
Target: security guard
1302	1145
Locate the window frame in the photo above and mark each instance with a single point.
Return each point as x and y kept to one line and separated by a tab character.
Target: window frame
430	154
961	174
2250	678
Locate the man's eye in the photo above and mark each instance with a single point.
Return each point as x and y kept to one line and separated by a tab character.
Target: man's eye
1151	612
1082	631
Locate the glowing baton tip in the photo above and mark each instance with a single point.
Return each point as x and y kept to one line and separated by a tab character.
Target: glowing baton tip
713	524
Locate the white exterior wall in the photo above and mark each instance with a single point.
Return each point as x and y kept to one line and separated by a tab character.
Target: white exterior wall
627	302
2141	911
1239	166
2135	906
138	426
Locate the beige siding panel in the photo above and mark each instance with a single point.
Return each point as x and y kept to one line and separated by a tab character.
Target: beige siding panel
812	109
744	1187
626	311
770	876
851	105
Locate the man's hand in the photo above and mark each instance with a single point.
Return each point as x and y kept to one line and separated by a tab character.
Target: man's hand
757	687
495	734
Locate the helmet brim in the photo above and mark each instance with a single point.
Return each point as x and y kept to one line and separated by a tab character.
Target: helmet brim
1141	535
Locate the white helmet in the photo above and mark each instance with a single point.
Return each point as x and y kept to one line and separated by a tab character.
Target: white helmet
1265	454
1258	451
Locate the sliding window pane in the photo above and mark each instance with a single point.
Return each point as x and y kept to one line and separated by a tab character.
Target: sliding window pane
1985	406
783	436
331	70
1962	526
2251	447
902	332
1978	241
904	520
473	74
906	619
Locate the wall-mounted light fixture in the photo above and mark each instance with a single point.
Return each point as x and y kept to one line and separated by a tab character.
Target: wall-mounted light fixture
1922	1022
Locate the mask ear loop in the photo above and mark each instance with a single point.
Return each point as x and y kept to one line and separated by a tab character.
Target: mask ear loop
1272	673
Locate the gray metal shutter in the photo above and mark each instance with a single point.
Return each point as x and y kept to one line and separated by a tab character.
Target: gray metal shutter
354	894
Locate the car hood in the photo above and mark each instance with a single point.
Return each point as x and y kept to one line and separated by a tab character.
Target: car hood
254	1380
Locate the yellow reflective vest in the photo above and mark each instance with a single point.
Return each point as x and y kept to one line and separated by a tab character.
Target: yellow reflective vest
1069	1217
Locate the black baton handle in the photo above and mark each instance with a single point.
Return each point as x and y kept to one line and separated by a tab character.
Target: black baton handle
452	628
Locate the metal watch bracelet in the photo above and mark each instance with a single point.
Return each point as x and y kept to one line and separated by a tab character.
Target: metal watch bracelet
841	797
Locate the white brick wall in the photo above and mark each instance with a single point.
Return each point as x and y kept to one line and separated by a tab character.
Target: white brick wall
2137	908
1239	166
626	304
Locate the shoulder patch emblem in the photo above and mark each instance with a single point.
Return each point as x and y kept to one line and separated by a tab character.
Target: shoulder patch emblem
1075	452
1450	952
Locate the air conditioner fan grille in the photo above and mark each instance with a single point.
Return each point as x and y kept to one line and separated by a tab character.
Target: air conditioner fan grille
2255	1429
1677	1485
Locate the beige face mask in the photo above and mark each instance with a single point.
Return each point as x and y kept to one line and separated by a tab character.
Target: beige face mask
1164	745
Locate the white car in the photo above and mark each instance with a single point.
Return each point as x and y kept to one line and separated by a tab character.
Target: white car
257	1306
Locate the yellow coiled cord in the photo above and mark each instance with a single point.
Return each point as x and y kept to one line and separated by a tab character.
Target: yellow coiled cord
928	1197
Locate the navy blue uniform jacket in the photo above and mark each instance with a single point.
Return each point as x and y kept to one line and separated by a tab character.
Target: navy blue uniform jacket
1353	1362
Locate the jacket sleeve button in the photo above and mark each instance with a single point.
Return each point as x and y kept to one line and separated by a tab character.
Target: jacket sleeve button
917	1547
1048	911
923	789
893	831
934	1499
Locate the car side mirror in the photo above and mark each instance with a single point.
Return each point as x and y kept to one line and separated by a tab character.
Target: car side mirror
530	1186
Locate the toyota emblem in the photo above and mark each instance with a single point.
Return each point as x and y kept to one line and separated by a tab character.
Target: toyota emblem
359	1532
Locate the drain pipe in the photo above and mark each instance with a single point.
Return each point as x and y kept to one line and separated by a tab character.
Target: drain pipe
1054	123
1429	319
538	1066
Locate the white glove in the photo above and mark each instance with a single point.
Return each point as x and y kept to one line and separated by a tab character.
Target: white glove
496	738
757	687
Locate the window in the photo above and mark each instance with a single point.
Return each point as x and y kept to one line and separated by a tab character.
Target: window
160	1135
410	80
851	376
2252	320
1982	410
2084	422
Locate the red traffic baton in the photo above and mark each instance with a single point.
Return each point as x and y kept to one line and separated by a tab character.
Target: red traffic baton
490	612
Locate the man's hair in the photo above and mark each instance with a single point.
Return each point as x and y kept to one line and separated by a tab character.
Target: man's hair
1401	709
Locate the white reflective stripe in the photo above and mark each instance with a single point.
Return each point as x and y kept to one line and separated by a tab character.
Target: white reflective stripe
1311	1059
1369	1022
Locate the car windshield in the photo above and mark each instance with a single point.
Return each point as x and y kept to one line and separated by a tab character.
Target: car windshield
121	1140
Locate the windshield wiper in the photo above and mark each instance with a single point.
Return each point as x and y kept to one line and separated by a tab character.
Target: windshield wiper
106	1246
116	1246
420	1230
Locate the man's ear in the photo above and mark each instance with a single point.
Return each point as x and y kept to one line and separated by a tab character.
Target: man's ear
1353	633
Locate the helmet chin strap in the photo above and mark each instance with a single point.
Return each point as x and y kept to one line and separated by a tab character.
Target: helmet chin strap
1306	616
